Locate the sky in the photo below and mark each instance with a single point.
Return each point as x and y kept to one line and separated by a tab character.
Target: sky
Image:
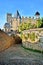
25	7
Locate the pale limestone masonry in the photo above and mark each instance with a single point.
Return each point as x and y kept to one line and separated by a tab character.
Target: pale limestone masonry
14	22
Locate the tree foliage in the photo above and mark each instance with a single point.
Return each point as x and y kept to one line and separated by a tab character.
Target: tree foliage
38	23
29	25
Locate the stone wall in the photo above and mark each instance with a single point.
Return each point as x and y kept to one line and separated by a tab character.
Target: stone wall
36	46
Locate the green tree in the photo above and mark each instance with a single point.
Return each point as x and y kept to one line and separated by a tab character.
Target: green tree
42	22
38	23
32	36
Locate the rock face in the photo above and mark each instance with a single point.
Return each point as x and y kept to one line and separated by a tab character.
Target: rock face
5	41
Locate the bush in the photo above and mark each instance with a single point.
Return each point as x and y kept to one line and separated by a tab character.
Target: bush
17	39
32	36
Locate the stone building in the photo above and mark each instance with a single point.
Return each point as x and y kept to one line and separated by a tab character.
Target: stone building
7	27
14	22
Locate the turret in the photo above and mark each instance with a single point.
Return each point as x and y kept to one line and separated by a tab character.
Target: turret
9	17
37	15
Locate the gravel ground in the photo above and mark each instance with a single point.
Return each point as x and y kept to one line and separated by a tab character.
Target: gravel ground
17	55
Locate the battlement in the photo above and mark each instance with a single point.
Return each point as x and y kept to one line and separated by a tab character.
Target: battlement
9	14
14	21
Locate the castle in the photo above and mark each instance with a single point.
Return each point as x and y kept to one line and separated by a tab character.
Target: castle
14	22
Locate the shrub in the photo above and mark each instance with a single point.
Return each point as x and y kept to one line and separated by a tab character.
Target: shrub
17	39
32	36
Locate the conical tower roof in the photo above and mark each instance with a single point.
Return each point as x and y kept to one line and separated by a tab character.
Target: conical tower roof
17	15
37	13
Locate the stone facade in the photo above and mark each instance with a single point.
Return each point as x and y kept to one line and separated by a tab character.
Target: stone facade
12	22
16	20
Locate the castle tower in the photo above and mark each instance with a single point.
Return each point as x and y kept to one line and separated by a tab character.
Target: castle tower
18	21
14	24
23	19
37	15
9	17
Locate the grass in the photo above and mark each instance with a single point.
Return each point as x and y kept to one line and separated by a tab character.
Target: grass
34	50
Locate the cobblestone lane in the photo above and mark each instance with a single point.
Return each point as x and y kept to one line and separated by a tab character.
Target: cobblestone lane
17	55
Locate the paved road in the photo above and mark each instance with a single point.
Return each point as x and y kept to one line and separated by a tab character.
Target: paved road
17	54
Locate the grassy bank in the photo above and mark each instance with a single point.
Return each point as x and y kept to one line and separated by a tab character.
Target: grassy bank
34	50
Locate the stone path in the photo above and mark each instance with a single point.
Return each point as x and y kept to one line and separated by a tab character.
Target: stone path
17	55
